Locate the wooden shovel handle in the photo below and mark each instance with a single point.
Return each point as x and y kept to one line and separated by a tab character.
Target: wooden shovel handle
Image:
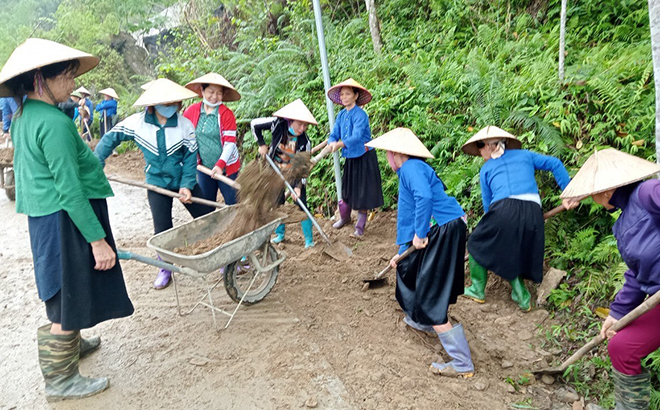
221	178
163	191
554	211
404	255
319	147
649	304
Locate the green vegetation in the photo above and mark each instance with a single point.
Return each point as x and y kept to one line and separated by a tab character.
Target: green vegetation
448	67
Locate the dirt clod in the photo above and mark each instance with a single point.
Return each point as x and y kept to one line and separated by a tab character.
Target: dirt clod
6	155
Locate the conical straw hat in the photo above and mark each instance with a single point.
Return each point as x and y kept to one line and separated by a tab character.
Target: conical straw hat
146	86
229	93
401	140
163	91
488	132
36	53
110	92
296	110
608	169
83	90
333	92
76	94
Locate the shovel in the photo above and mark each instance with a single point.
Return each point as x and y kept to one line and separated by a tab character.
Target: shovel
336	250
221	178
380	278
165	192
646	306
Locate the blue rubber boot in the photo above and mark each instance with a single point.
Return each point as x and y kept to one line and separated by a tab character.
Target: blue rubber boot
456	346
308	232
279	234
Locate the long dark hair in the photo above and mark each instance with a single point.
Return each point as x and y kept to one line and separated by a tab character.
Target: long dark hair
24	83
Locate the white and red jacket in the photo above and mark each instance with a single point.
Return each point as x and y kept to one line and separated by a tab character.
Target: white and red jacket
230	161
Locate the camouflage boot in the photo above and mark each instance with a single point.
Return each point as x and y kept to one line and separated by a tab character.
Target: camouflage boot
89	345
632	392
58	359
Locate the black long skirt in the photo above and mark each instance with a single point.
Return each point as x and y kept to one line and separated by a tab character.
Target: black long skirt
431	279
361	184
509	240
87	296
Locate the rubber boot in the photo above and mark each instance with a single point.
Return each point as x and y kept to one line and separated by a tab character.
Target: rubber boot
279	233
422	328
344	215
308	232
456	346
163	279
89	345
479	276
520	294
58	359
359	225
631	392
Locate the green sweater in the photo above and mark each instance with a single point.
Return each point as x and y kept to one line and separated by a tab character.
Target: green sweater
54	168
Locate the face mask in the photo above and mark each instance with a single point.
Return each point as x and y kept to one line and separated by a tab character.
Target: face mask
292	132
167	111
390	160
210	104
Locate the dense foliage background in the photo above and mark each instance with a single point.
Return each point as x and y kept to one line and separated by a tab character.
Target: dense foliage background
448	68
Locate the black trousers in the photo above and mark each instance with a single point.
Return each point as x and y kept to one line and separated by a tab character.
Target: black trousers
161	209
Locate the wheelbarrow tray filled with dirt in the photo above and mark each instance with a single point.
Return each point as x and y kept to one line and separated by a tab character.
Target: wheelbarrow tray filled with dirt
205	227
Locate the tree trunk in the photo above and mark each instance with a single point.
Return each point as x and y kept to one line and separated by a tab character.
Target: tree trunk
374	26
562	40
654	18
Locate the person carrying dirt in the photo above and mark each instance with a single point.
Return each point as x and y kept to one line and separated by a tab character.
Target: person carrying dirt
361	183
215	130
167	141
431	278
288	128
62	189
613	180
108	110
509	238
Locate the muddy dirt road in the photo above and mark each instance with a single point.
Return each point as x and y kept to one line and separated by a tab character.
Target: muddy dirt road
316	341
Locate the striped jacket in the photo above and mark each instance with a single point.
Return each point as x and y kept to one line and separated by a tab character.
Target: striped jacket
170	151
229	160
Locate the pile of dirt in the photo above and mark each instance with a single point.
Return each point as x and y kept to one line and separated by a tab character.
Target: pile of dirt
6	155
204	245
129	164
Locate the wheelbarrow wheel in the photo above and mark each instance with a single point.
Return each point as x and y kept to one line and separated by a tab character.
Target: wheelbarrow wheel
238	275
9	181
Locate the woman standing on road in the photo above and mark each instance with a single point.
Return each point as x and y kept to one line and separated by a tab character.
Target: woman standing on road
62	189
612	178
215	130
431	278
361	182
167	141
288	136
509	239
108	110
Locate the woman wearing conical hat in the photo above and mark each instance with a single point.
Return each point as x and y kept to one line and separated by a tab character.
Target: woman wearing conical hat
288	128
614	180
167	141
215	130
431	278
509	238
361	182
86	103
108	109
62	189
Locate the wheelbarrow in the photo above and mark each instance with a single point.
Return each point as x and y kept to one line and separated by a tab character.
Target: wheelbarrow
251	263
7	171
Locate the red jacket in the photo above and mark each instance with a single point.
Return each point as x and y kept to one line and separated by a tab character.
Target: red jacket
230	160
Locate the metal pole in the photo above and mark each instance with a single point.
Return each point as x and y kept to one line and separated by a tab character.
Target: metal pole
326	84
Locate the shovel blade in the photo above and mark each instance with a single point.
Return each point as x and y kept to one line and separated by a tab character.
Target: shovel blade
550	371
338	251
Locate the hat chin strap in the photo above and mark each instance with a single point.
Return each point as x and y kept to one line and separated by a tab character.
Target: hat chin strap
41	84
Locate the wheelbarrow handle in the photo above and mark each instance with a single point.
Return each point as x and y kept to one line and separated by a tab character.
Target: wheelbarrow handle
298	200
404	255
221	178
127	255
